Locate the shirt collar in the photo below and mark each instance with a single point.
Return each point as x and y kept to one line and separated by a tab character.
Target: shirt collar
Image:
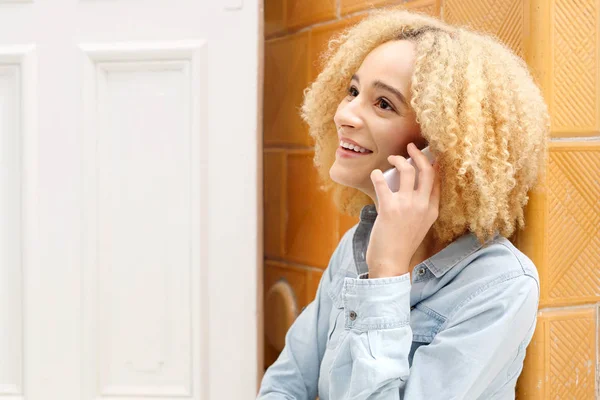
438	264
459	249
368	213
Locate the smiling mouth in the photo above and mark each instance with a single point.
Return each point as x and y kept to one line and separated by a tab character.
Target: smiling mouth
354	148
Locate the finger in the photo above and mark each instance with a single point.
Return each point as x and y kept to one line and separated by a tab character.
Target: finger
425	171
407	173
382	190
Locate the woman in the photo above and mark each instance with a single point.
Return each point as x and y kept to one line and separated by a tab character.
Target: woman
425	298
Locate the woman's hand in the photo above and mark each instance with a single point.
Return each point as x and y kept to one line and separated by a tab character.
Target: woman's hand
404	217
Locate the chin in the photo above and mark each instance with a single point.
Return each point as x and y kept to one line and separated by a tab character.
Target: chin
344	176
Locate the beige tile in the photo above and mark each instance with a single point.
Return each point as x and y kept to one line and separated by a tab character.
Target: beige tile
507	21
573	67
561	359
562	235
430	7
573	274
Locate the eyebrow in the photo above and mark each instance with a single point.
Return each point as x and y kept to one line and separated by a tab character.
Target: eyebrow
384	86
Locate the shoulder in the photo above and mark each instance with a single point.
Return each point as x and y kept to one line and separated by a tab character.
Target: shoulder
342	256
497	274
516	257
493	273
499	260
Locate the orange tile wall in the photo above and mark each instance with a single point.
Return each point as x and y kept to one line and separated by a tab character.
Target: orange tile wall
560	40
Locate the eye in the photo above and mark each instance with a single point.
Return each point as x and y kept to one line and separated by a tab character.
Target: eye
352	91
385	104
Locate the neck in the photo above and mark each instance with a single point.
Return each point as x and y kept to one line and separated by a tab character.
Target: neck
426	249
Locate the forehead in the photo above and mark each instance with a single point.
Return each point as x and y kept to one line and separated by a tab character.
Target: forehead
392	62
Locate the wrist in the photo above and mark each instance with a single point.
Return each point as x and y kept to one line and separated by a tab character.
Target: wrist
377	275
387	272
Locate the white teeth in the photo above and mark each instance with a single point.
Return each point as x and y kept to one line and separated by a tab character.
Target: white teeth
354	147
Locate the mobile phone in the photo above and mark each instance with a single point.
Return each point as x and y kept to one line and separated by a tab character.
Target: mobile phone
392	177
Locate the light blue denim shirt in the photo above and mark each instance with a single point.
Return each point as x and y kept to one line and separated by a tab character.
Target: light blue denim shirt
459	330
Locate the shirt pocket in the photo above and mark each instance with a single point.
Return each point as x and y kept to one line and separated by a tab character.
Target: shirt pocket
425	323
336	330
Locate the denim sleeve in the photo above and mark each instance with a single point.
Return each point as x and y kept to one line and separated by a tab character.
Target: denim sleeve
480	338
295	374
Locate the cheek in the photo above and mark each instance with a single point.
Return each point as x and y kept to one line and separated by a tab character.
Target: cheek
402	137
414	130
395	145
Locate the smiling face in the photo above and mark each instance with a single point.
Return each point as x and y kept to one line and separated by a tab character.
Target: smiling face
375	120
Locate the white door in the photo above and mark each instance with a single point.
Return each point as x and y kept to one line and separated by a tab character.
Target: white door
128	199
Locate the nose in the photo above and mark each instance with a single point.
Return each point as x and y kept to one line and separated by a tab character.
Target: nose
348	115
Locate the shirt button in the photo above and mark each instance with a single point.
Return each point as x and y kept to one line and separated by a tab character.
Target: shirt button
352	315
421	271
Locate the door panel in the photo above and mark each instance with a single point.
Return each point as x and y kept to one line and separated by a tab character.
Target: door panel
117	277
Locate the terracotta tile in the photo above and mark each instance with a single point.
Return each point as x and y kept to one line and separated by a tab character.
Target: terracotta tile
562	235
560	362
430	7
307	12
286	76
296	278
274	202
345	222
274	16
310	233
313	280
507	21
319	38
352	6
572	63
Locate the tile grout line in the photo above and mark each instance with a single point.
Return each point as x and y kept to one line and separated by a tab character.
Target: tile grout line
576	139
563	308
303	29
289	263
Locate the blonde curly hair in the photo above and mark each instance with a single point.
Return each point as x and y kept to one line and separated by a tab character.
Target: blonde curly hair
476	103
